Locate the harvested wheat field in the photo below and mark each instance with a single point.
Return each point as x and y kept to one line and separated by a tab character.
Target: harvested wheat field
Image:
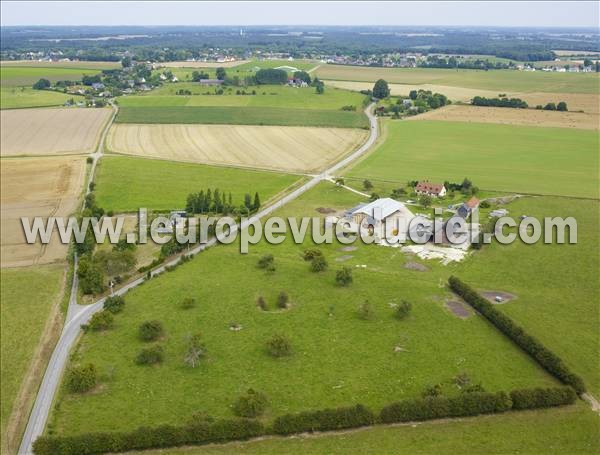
36	187
587	102
299	149
51	131
528	117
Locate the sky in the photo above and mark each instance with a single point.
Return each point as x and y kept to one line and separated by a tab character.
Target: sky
534	14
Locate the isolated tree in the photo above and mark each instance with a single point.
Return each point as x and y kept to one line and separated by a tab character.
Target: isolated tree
381	89
343	277
403	309
279	346
367	185
150	356
282	300
151	330
42	84
256	204
250	405
114	304
562	106
82	379
318	264
194	351
426	200
221	74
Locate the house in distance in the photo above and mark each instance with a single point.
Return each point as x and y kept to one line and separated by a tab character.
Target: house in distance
430	189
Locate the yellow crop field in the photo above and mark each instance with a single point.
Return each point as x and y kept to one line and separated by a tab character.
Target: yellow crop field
36	187
51	131
298	149
507	116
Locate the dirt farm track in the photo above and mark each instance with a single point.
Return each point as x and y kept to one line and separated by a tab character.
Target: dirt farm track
51	131
287	148
36	187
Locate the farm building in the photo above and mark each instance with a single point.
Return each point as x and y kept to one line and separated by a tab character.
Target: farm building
381	216
296	82
468	207
431	189
211	82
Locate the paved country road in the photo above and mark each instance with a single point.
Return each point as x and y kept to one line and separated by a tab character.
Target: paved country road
79	314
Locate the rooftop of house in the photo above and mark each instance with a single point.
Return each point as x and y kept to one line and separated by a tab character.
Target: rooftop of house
429	187
381	209
472	203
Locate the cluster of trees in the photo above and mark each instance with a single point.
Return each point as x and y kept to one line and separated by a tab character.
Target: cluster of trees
561	106
42	84
435	61
517	103
466	187
199	75
215	201
426	98
420	101
546	358
319	86
271	76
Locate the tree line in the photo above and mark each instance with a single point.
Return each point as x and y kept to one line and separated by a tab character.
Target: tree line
216	201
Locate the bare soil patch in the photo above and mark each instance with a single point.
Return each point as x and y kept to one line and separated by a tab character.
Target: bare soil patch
325	210
51	131
36	187
507	116
287	148
504	296
416	266
459	309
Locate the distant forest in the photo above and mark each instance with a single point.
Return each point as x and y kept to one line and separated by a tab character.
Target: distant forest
180	43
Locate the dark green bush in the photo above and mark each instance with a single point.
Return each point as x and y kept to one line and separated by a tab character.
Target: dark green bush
311	253
188	302
266	262
403	309
542	398
324	420
150	356
82	379
282	300
114	304
151	330
343	277
100	321
279	346
318	264
251	404
546	358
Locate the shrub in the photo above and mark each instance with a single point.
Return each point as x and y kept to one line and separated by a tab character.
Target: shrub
484	205
546	358
311	253
188	303
252	404
432	391
367	185
542	398
324	420
150	356
403	309
151	330
343	277
114	304
103	320
318	264
197	432
82	379
282	300
562	106
267	262
366	311
435	407
279	346
260	302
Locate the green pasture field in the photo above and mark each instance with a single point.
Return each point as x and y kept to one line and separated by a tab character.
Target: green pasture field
537	160
265	96
20	97
250	115
302	65
124	184
499	80
339	359
572	429
82	65
27	294
29	75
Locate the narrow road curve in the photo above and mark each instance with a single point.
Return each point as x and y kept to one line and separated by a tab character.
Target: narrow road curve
79	314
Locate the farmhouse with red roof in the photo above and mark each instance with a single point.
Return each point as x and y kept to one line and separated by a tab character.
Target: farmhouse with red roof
431	189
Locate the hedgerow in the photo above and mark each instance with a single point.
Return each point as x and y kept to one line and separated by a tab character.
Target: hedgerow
546	358
324	420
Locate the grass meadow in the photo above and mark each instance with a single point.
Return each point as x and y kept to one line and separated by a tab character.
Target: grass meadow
124	184
27	294
28	75
216	115
499	80
338	358
266	96
554	161
21	97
